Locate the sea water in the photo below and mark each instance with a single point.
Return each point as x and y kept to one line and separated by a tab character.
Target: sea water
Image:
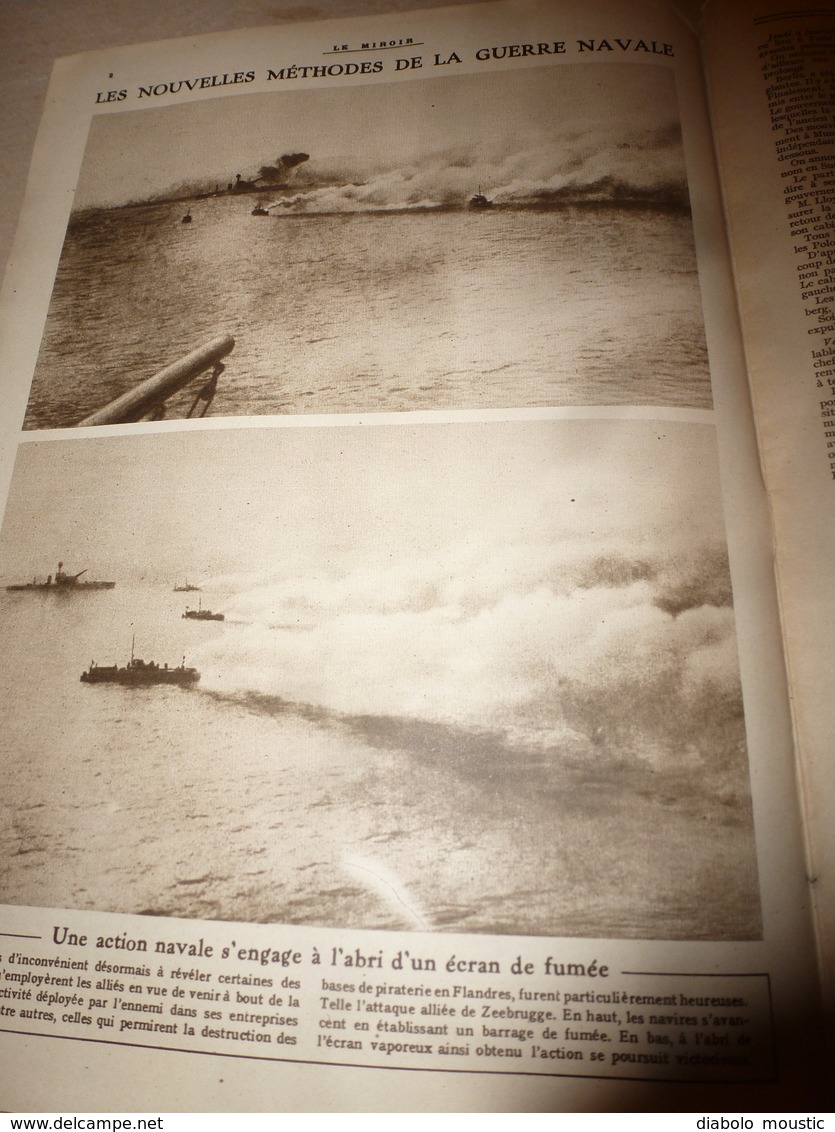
224	801
377	311
229	804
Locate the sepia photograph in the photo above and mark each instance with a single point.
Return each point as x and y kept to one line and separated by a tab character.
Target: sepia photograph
511	238
471	677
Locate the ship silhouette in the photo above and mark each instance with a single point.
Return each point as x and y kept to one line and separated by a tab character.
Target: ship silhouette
139	673
201	614
479	200
66	583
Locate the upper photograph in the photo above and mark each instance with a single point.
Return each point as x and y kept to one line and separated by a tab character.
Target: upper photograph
515	239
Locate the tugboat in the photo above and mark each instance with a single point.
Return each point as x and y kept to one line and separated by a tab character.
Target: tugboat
65	583
140	673
201	614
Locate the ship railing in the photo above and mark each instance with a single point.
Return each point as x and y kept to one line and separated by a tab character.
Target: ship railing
147	400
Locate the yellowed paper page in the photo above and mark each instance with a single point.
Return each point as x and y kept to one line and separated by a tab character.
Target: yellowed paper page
771	75
394	705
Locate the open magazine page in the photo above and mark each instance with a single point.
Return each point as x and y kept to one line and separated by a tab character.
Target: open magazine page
771	73
393	702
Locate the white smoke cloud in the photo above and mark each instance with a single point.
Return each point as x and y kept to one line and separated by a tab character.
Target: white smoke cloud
550	169
539	641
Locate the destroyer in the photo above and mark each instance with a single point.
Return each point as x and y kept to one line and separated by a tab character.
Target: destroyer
201	614
480	200
139	673
63	582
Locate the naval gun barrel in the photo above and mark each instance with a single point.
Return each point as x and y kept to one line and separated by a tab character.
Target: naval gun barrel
151	393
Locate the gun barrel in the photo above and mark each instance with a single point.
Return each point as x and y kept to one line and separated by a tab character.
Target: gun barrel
149	394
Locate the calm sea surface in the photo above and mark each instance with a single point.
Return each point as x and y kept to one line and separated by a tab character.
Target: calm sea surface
377	311
210	804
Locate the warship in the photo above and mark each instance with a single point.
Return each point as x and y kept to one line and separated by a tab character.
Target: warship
139	673
480	200
63	582
201	614
270	177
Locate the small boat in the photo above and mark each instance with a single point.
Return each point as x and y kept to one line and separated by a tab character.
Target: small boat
139	673
259	211
201	614
187	218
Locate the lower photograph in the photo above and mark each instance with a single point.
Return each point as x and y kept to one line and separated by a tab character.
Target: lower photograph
447	677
